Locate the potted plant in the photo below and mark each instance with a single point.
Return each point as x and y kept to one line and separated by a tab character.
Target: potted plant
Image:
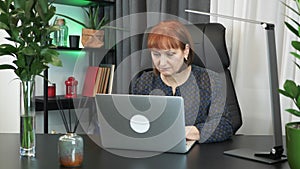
26	23
292	91
93	32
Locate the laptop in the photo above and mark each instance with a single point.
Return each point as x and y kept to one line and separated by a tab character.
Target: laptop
142	122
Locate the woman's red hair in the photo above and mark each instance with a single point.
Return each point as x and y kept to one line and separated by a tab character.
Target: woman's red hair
170	35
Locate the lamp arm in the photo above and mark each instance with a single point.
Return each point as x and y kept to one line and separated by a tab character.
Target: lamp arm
275	101
277	151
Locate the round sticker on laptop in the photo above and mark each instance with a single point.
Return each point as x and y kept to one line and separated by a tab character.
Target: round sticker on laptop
139	123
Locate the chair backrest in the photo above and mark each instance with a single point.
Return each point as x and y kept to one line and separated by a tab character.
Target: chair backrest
210	52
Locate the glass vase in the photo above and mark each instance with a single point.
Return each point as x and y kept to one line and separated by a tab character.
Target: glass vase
27	118
70	150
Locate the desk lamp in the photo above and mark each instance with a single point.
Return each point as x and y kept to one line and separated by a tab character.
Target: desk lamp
276	153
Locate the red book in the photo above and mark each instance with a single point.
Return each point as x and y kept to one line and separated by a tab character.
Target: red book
90	80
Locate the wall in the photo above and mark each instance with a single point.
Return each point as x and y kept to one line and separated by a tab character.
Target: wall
9	95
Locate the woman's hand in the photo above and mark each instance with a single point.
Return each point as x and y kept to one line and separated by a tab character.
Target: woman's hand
192	133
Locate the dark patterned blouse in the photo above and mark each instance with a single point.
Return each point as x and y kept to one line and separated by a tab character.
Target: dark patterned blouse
204	95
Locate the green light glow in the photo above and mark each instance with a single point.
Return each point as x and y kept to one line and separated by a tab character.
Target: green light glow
74	54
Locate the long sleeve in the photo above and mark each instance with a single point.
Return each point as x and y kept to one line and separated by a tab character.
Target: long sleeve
217	125
215	129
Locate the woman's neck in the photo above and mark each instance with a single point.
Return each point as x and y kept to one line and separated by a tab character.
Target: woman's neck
177	79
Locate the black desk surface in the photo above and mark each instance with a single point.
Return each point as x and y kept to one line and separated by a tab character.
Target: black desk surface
202	156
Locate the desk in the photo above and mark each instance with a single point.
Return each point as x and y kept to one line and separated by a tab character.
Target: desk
202	156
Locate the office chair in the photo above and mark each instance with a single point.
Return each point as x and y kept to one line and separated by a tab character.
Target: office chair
210	52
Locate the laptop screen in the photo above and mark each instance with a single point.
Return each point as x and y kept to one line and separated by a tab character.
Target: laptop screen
141	122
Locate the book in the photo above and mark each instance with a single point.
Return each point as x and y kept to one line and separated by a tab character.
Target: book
98	80
100	84
111	79
106	82
90	81
107	75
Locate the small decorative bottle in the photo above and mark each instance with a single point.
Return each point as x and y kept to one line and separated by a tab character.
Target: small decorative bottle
61	36
70	150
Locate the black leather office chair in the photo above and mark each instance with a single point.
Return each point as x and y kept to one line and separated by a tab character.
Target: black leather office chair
210	52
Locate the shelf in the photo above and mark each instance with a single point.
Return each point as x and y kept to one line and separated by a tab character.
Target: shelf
66	103
84	49
104	2
83	3
68	48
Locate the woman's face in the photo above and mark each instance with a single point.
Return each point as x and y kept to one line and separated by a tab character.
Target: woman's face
168	62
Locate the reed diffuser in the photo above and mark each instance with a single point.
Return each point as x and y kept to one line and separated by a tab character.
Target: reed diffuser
70	145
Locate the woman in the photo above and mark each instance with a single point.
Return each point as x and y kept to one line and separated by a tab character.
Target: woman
170	45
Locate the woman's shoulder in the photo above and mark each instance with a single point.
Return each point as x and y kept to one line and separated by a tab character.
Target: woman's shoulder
206	75
143	83
201	70
196	68
146	76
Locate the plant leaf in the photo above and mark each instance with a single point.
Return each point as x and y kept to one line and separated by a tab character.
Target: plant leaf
295	54
2	7
51	12
294	112
51	56
20	62
3	26
7	66
56	61
291	8
291	88
298	100
285	93
91	17
96	18
296	45
41	6
7	49
296	22
37	67
102	23
19	3
291	28
297	65
28	51
28	8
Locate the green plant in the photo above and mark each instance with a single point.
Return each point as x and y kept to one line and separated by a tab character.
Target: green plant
290	88
26	23
94	21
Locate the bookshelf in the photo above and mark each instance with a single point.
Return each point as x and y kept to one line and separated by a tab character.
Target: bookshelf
43	103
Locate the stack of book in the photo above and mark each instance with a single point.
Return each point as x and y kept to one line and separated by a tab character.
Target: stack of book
98	80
